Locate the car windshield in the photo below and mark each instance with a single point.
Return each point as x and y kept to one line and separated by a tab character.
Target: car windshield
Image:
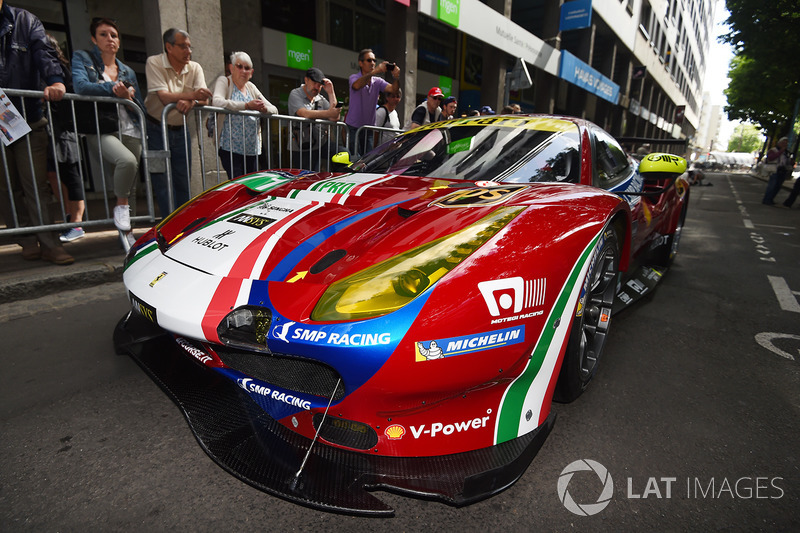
507	149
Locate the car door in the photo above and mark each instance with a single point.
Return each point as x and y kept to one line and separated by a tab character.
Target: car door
614	171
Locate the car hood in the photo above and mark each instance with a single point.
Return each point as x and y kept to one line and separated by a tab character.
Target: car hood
294	226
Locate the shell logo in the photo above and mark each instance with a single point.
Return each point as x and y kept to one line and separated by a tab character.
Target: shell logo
395	431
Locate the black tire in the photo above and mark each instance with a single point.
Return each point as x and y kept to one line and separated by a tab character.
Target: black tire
664	255
591	325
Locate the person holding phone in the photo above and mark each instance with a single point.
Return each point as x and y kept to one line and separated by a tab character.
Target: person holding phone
98	72
366	86
307	142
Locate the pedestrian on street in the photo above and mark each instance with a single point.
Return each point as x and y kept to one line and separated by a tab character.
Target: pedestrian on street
778	155
793	194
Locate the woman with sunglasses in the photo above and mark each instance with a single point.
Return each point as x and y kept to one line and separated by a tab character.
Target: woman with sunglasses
98	72
240	139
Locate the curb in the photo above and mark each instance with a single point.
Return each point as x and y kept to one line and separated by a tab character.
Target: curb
79	276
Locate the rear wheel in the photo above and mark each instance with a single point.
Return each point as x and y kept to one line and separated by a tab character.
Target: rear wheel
593	318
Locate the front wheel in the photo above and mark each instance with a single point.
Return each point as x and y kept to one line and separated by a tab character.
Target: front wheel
593	318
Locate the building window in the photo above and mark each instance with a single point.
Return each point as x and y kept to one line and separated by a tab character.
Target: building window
645	19
356	25
437	47
291	17
341	26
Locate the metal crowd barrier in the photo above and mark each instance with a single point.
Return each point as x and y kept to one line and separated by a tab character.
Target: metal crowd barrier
277	135
277	132
91	168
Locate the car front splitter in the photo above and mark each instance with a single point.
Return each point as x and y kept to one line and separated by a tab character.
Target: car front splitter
254	447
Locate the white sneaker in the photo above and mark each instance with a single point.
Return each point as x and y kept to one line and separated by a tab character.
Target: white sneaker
122	217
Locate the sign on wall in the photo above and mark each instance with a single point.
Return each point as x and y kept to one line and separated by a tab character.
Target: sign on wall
575	15
579	73
449	11
299	52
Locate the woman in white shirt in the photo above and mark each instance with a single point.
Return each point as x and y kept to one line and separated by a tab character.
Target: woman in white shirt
240	139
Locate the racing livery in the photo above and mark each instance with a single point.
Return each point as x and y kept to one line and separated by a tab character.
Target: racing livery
404	323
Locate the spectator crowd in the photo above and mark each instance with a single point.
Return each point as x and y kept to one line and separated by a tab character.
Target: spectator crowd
36	169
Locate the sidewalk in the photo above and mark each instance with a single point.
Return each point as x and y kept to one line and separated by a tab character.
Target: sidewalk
98	259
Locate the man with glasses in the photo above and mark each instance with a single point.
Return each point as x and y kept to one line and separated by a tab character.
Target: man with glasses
365	87
428	111
172	77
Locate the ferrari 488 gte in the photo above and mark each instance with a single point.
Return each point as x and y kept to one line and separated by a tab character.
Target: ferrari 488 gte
405	323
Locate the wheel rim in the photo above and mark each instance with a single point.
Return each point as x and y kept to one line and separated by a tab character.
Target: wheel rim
597	313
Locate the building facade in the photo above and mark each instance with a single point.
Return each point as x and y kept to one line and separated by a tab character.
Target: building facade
634	67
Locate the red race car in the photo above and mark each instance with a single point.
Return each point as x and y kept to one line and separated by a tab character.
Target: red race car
405	323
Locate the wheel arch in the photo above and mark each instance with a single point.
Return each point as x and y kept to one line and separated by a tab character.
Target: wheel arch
621	223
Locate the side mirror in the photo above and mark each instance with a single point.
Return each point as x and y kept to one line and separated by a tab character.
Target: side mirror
660	171
660	166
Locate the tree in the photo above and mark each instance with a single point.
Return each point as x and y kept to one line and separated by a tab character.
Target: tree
745	138
758	93
764	74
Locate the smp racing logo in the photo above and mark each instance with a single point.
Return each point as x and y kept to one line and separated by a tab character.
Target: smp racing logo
249	385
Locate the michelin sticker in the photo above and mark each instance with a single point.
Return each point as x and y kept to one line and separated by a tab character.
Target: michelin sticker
452	346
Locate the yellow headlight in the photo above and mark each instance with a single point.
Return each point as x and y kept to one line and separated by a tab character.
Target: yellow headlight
387	286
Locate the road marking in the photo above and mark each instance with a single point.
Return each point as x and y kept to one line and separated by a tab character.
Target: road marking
786	297
765	340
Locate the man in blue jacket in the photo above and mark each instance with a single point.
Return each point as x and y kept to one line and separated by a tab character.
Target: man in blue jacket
28	62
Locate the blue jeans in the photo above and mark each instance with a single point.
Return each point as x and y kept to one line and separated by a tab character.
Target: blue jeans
178	140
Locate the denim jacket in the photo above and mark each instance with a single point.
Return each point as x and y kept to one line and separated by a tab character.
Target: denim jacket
87	77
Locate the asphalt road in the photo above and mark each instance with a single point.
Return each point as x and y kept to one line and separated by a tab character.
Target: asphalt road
694	411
